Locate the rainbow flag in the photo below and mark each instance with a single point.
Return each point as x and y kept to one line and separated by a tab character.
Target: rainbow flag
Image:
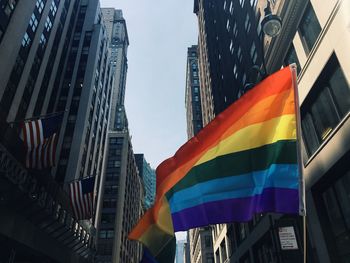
242	163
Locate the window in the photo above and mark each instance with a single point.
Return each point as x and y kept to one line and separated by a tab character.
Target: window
253	3
106	233
109	203
333	199
231	7
292	57
26	40
309	28
107	218
253	53
239	54
48	24
244	78
53	8
40	5
228	25
235	30
326	104
235	71
208	242
247	23
9	7
241	2
33	22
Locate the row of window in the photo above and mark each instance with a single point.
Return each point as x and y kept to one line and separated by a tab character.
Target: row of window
34	72
21	59
325	106
329	99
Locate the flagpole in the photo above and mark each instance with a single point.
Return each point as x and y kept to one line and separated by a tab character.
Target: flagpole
38	117
302	204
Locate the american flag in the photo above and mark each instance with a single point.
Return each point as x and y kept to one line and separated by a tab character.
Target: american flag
40	140
81	197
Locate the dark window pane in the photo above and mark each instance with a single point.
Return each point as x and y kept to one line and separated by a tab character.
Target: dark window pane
309	134
326	104
340	90
309	28
291	58
342	188
324	113
334	215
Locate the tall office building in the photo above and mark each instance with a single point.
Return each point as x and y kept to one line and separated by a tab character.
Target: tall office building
229	42
192	94
314	35
316	38
200	240
54	58
148	176
121	190
121	205
84	90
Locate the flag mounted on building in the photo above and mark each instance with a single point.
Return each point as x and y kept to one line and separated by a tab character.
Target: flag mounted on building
81	194
40	141
242	163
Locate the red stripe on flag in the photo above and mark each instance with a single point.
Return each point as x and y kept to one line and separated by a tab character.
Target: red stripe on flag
47	152
52	151
72	200
31	145
79	199
76	194
82	201
37	145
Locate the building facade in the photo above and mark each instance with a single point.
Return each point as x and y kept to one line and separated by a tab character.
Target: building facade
314	36
319	46
199	239
229	42
148	176
54	58
85	94
121	205
121	190
192	94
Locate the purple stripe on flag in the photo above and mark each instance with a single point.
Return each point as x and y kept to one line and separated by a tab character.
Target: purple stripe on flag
278	200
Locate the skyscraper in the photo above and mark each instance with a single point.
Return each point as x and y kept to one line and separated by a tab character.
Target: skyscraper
314	35
317	40
192	94
200	240
54	58
148	176
229	41
121	191
226	30
84	91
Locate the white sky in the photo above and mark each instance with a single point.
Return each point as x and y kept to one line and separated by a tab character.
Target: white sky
160	31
